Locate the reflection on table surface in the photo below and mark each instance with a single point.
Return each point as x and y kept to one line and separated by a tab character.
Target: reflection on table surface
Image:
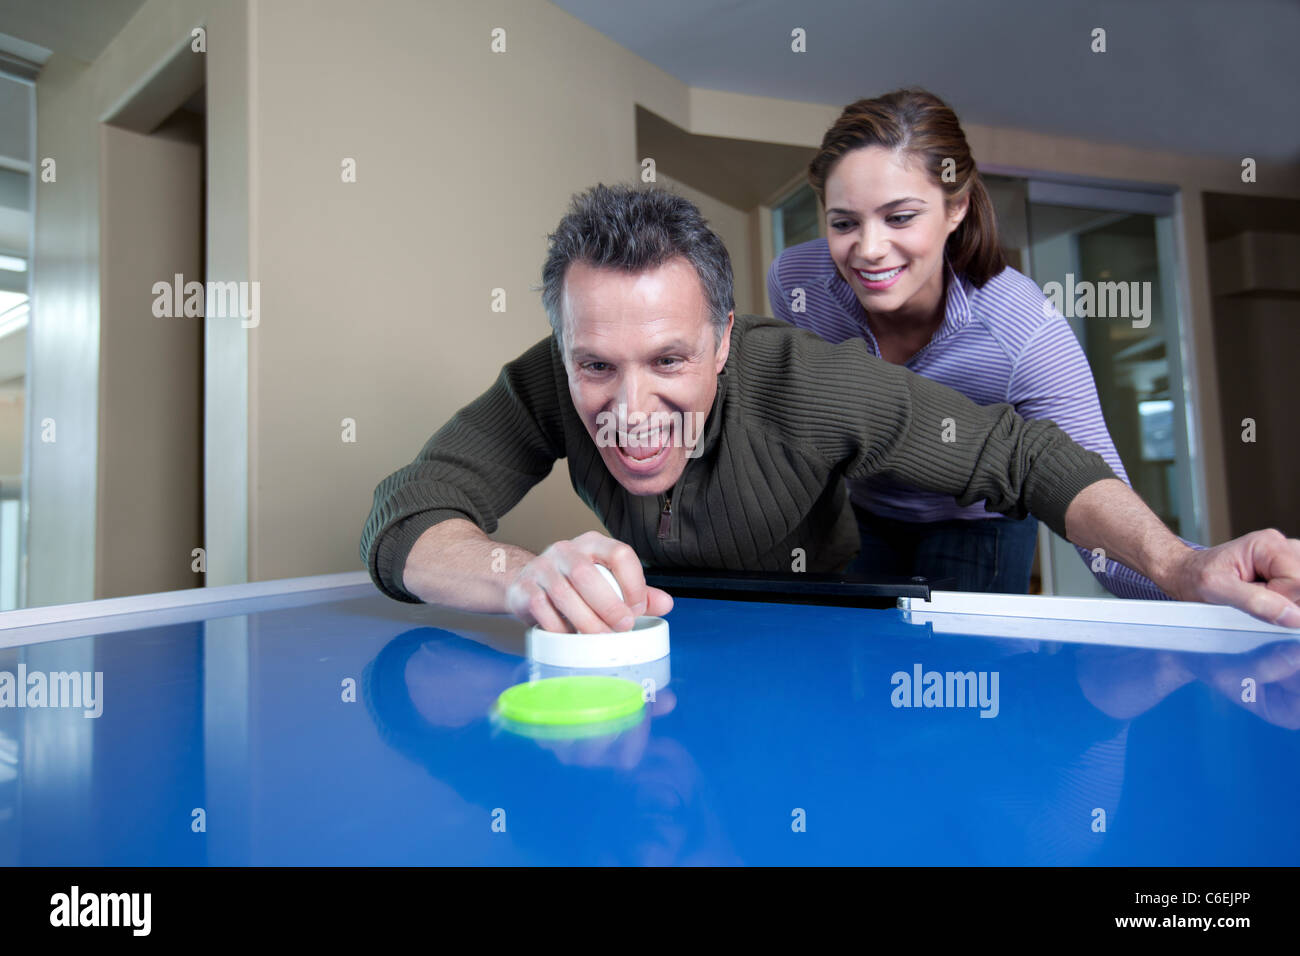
361	731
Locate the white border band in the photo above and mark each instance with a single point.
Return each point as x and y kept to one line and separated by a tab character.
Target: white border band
1094	610
171	600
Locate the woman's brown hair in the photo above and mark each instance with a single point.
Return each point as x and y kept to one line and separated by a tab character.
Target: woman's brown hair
918	123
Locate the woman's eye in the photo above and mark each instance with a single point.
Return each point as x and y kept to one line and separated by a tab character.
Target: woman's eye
901	219
840	225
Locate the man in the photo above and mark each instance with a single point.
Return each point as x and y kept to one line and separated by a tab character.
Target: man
705	440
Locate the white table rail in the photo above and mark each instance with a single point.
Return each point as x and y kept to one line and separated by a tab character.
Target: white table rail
60	621
1167	625
1097	610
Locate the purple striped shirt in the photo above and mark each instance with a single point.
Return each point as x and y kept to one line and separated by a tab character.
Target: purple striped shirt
996	344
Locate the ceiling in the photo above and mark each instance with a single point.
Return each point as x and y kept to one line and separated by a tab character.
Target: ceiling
1207	77
76	28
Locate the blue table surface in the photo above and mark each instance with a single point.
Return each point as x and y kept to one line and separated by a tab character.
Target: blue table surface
359	731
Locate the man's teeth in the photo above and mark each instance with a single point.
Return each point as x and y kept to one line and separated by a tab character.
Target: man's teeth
880	276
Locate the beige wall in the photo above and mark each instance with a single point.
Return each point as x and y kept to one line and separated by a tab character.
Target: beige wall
733	227
1258	340
375	295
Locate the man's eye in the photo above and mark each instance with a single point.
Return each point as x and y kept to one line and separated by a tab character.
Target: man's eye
595	366
668	362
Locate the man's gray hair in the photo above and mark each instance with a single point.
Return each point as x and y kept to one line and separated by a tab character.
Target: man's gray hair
636	229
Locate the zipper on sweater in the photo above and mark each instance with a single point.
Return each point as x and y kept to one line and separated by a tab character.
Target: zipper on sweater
666	516
666	509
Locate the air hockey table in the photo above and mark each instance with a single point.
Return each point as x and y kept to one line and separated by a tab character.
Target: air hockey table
314	721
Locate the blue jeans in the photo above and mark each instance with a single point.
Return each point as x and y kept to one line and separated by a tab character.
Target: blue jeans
986	554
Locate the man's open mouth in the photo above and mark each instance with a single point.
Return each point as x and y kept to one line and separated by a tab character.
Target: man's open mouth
644	450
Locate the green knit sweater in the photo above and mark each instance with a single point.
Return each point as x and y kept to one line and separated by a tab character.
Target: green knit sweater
794	415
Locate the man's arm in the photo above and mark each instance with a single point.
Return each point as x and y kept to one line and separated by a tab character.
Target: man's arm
475	468
868	417
1013	463
865	417
455	564
1258	572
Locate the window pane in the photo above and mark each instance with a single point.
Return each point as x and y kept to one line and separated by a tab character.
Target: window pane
795	219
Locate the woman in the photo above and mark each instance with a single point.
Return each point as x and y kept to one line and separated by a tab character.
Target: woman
911	263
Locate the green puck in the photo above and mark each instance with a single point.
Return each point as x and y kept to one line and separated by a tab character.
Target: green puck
570	733
571	700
